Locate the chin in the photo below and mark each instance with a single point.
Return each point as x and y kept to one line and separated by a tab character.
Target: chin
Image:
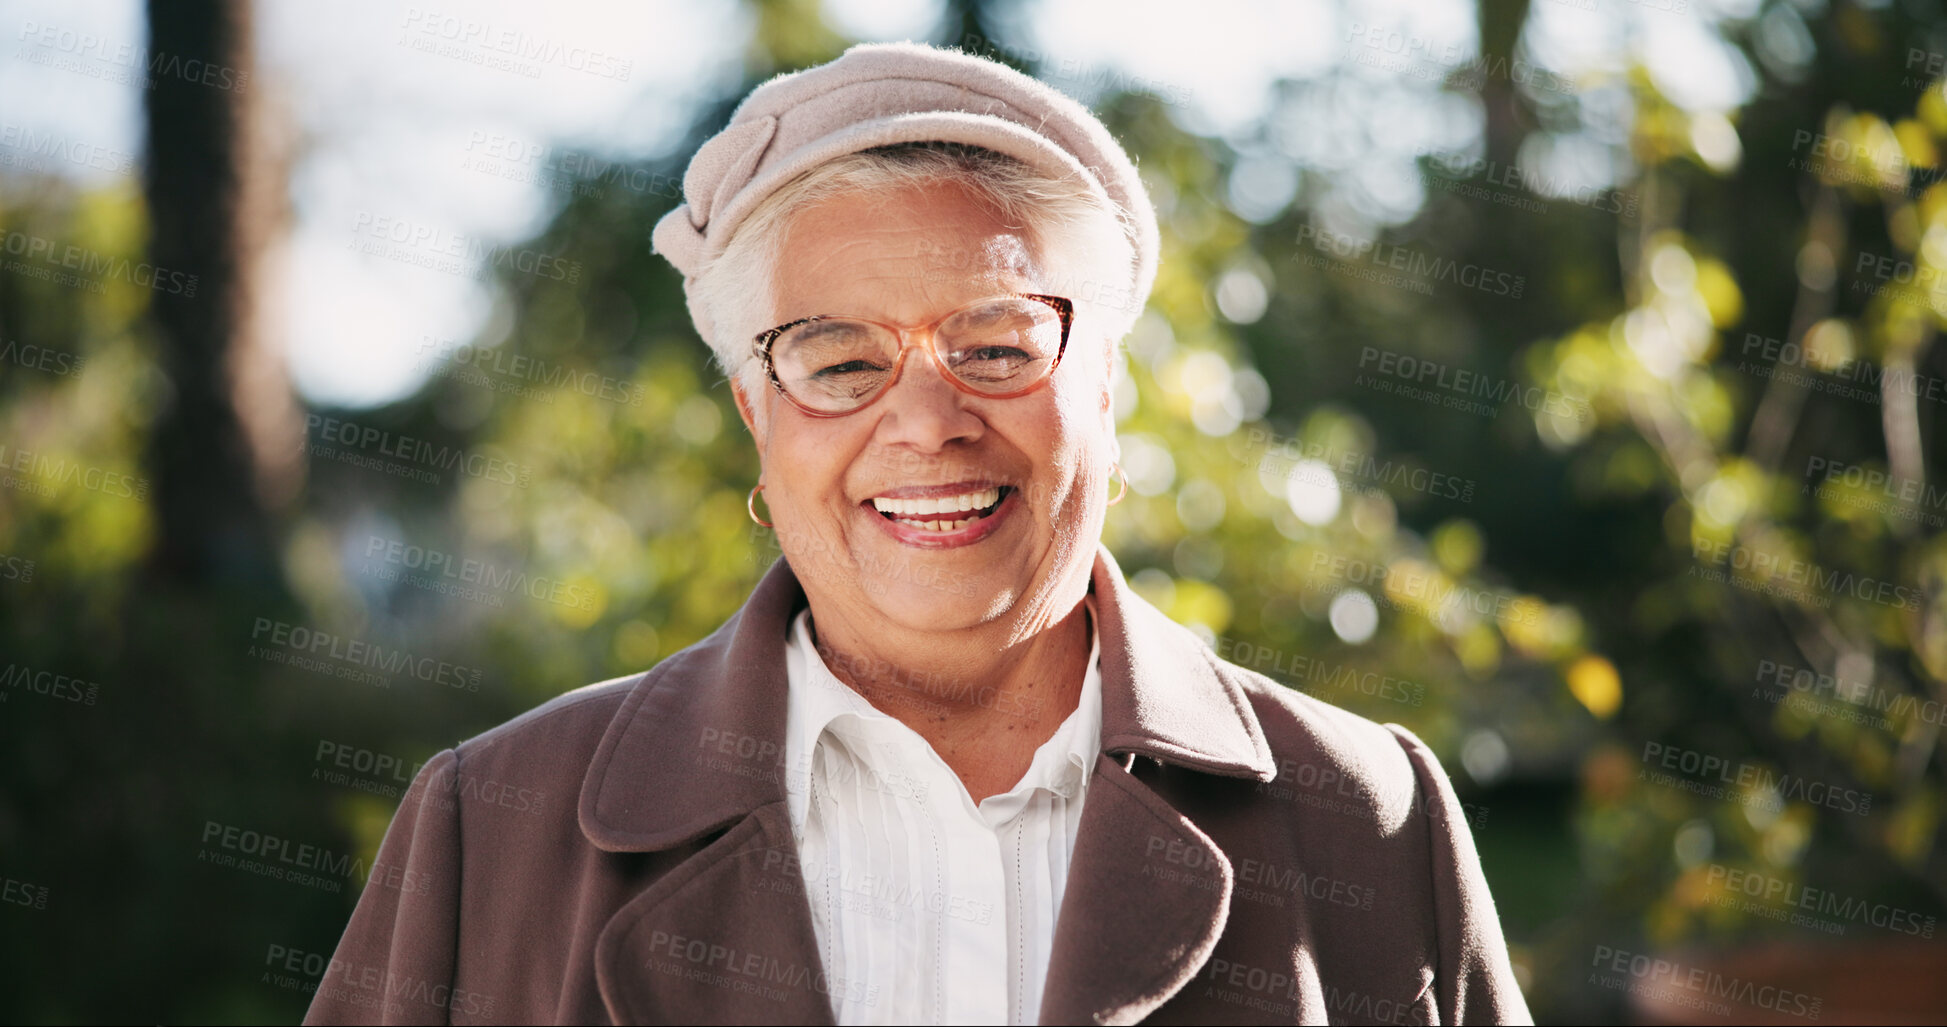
933	596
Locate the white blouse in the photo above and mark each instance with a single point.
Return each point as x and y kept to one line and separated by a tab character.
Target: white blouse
928	909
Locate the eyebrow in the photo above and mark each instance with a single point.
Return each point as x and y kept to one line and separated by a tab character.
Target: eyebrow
833	325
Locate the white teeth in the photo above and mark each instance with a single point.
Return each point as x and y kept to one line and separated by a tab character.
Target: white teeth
938	525
905	508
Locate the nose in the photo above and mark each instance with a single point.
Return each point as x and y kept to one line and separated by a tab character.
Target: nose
923	410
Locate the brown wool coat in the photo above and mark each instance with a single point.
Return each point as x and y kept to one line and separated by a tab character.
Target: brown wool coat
622	854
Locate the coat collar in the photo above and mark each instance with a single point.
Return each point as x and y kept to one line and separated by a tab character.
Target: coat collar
713	717
727	935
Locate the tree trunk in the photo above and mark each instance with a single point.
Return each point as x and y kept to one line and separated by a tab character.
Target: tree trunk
225	452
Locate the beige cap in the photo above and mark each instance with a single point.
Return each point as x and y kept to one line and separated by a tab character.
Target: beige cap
879	94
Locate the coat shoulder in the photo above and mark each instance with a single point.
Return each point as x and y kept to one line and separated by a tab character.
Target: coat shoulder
567	729
568	725
1329	756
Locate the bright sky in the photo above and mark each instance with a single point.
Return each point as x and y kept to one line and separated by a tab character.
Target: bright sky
417	129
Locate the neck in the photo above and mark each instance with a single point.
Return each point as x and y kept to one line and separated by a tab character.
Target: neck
985	698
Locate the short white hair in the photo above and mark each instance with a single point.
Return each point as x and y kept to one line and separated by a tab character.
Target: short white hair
1061	216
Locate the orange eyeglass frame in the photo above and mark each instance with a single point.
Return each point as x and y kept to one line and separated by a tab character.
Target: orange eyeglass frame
761	348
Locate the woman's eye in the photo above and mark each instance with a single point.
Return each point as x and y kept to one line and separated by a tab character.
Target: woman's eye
996	353
848	367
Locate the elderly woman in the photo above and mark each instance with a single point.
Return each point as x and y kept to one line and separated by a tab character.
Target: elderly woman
944	766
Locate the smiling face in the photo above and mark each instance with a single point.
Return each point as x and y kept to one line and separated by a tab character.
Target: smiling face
933	509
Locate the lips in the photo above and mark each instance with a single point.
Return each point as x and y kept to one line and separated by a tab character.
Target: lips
941	511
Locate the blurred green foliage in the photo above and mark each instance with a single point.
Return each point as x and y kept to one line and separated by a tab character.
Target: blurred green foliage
1534	579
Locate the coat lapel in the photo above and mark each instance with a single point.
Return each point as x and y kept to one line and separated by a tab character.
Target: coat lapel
699	742
1162	696
724	938
1148	893
698	747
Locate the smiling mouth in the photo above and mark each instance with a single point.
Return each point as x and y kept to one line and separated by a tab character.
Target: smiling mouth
944	513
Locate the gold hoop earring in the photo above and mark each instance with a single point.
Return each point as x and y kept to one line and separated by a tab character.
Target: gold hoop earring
1122	478
750	504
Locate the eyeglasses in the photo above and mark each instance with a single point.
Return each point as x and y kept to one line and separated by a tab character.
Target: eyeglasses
999	348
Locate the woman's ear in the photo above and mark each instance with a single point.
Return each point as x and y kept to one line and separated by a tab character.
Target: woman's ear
744	409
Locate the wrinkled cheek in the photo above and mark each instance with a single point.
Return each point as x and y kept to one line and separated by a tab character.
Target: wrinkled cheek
804	532
1071	509
820	556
